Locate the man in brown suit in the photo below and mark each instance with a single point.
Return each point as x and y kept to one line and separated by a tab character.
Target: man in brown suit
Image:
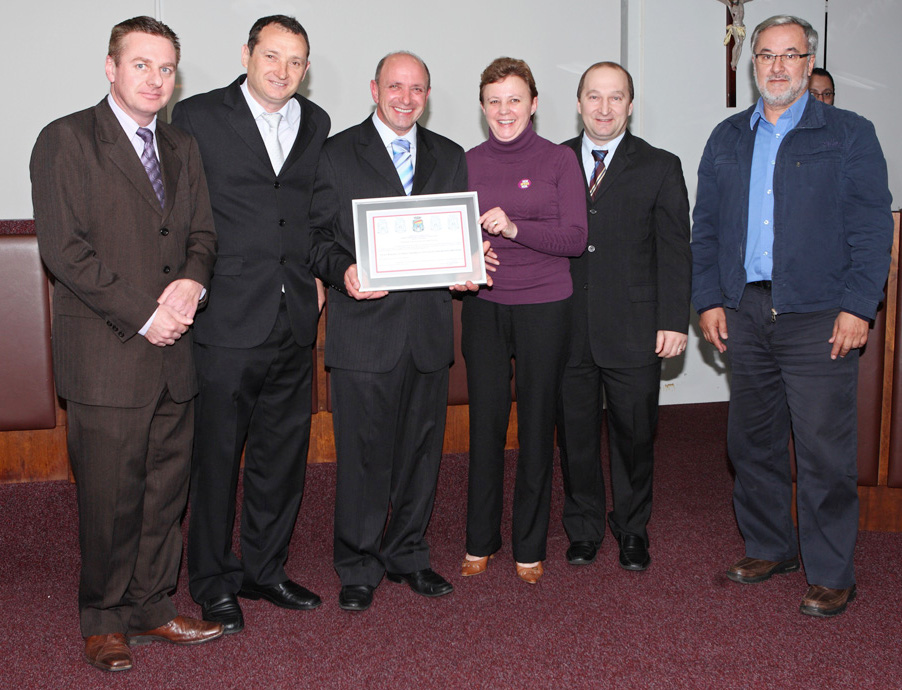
124	224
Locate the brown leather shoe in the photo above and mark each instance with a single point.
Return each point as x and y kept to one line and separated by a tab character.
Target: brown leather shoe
469	568
108	652
823	601
180	630
751	570
530	574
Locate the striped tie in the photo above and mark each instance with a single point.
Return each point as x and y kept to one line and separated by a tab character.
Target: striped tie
598	172
401	158
152	165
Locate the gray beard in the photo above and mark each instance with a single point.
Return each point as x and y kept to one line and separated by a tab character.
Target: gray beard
784	99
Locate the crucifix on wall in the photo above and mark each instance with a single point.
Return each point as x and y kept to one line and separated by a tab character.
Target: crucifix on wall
733	41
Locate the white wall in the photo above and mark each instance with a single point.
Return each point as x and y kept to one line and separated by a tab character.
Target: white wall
680	75
864	55
679	67
55	51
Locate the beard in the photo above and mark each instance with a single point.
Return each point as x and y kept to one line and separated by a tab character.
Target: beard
786	98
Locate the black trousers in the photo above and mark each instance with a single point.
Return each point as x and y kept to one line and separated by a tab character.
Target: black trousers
632	416
131	474
389	430
783	377
262	395
537	336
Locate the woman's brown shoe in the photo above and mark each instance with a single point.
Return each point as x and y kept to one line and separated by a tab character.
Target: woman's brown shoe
530	573
469	568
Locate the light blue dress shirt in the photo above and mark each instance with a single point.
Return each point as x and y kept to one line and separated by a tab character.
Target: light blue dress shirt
759	248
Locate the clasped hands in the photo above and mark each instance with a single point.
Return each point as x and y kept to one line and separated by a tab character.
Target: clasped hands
178	304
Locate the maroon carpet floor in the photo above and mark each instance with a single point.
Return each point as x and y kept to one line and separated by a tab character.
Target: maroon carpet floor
681	624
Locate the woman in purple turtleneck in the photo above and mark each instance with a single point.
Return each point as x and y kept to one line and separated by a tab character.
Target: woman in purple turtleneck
533	199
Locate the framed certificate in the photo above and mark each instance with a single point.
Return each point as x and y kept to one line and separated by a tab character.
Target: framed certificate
414	242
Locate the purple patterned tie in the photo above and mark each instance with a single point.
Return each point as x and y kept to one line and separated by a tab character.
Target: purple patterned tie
152	165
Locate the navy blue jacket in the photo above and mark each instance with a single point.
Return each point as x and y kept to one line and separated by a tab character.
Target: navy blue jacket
833	227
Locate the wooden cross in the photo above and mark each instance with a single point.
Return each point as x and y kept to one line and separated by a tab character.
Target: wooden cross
733	40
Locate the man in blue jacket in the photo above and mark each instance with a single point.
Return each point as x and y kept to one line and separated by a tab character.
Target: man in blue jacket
791	248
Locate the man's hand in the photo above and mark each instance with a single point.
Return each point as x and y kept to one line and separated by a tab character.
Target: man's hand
183	295
491	260
320	294
670	344
849	333
714	327
167	326
352	285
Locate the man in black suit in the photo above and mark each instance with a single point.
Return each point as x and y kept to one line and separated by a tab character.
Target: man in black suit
389	353
630	310
123	222
260	142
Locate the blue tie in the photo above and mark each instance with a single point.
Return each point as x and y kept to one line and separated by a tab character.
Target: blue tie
401	158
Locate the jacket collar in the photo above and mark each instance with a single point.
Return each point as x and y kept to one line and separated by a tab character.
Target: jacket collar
372	149
122	154
242	121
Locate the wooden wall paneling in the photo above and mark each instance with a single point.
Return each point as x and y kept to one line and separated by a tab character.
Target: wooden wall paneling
881	505
891	468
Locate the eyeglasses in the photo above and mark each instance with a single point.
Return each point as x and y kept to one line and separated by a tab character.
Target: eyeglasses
769	58
822	94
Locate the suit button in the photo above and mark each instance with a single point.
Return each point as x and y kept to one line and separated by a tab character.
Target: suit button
164	232
592	211
281	222
166	269
282	260
591	248
276	184
586	286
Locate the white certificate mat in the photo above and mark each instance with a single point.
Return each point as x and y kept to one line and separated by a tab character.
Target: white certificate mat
423	241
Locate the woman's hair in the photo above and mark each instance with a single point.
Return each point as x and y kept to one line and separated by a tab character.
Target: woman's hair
504	67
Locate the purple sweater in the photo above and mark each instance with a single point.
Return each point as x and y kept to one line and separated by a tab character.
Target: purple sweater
540	186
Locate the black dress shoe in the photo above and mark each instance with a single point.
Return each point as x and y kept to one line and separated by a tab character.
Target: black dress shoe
288	595
224	609
633	553
355	597
426	582
581	552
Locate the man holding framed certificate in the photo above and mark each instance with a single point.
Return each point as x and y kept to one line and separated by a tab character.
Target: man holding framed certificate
389	354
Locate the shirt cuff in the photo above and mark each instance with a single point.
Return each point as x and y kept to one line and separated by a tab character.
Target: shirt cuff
146	326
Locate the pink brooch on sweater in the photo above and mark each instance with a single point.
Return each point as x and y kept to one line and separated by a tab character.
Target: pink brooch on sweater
524	183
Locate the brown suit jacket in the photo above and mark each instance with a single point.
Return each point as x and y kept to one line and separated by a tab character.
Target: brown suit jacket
112	251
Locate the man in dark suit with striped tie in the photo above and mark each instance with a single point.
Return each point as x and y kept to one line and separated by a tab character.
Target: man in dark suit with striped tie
630	312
